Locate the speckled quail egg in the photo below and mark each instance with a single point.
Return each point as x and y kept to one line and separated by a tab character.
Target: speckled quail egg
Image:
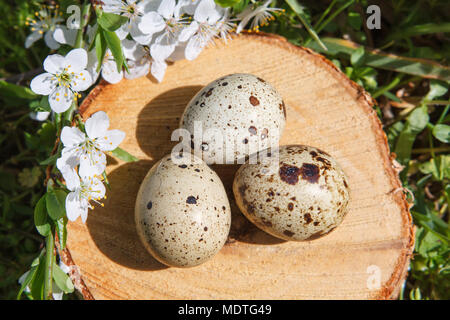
234	116
182	212
301	194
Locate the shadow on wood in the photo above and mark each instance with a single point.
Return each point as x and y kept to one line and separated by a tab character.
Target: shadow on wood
159	118
113	228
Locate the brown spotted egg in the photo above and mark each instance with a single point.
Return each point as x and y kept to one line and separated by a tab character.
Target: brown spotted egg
182	212
234	116
301	194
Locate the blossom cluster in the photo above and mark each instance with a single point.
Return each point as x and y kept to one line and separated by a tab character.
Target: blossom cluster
151	33
85	152
155	31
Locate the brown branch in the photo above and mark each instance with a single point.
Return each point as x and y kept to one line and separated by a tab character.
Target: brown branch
74	272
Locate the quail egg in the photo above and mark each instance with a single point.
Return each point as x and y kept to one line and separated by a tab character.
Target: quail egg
182	212
300	193
234	116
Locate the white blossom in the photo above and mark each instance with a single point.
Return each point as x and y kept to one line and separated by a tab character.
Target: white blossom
261	16
134	11
39	115
83	191
165	24
140	62
65	77
225	26
43	25
87	150
202	29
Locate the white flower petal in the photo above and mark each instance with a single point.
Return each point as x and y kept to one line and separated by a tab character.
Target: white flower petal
69	159
92	164
74	207
40	115
84	215
64	35
60	99
64	267
43	84
112	6
109	72
50	41
161	51
123	30
151	23
54	63
32	38
139	36
110	140
92	65
70	175
167	8
186	6
81	81
158	70
97	188
129	48
77	60
188	32
137	70
194	47
204	10
72	136
97	125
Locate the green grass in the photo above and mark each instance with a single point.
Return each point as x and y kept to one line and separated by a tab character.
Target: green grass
409	79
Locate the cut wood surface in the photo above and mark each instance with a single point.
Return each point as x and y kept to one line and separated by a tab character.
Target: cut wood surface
366	257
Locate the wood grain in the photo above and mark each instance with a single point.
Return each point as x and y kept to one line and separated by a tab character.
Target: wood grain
324	109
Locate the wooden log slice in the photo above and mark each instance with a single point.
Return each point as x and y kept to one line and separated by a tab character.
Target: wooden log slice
365	257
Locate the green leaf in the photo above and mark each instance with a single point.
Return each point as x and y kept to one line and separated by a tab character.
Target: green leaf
442	132
49	261
415	123
14	91
100	48
354	20
40	217
298	9
37	283
437	89
110	21
61	229
418	119
123	155
44	104
55	200
429	242
31	274
416	30
227	3
29	279
420	67
115	46
62	280
357	57
439	167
